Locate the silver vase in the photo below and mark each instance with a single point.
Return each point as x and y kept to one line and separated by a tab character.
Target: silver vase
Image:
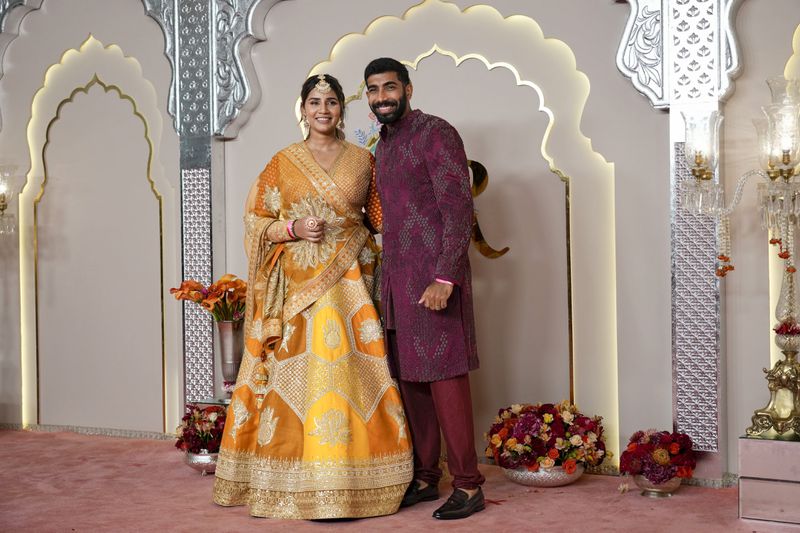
204	462
657	490
544	477
231	346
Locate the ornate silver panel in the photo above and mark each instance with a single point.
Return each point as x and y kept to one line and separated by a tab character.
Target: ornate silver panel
163	12
696	38
194	86
11	14
695	319
695	58
210	79
640	56
197	325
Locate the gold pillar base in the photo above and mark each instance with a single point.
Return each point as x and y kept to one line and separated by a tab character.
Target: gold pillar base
782	413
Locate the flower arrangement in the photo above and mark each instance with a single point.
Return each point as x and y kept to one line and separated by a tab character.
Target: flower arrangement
545	435
788	327
201	429
658	456
224	299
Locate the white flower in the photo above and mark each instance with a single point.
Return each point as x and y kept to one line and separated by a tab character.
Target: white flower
516	408
212	417
576	440
548	463
561	443
592	437
567	417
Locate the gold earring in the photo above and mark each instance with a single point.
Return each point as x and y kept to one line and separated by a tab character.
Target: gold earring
340	125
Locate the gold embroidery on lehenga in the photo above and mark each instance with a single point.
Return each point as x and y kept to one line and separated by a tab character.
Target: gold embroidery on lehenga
399	416
307	254
240	416
288	331
370	331
331	428
266	426
331	335
312	504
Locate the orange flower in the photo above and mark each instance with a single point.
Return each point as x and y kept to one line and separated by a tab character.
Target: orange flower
685	472
674	448
552	454
570	465
661	456
190	290
632	446
791	270
784	254
533	467
503	433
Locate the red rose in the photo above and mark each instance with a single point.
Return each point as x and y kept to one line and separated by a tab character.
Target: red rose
553	454
570	465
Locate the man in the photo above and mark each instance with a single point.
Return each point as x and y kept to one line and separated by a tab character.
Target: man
424	187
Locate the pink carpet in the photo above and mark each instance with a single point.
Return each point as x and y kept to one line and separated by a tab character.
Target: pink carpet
71	482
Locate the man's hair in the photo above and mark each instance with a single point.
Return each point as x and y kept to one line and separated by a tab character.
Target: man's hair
387	64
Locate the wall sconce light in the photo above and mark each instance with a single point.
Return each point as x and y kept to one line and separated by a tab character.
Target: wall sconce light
7	186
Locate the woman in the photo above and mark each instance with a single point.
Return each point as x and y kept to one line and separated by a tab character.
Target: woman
316	427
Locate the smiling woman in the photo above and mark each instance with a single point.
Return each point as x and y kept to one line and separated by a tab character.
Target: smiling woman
316	427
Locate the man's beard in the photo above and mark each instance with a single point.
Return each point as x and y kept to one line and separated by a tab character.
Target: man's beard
392	116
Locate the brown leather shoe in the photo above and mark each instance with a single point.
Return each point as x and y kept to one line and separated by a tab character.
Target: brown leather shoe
414	494
460	505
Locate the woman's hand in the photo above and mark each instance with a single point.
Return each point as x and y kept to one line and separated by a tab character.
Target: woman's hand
310	228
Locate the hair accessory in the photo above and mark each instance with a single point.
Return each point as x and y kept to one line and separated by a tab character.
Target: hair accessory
322	85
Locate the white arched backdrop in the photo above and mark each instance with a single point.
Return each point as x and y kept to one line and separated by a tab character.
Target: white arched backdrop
523	329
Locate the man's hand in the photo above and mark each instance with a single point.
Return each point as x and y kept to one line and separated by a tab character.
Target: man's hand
436	295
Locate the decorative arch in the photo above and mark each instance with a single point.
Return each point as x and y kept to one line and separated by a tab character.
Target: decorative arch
548	66
92	64
792	69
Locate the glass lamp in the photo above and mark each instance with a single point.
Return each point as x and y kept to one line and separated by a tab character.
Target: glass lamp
702	195
7	183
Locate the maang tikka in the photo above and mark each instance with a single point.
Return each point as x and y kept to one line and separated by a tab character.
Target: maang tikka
322	85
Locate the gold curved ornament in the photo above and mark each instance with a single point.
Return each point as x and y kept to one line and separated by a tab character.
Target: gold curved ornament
480	180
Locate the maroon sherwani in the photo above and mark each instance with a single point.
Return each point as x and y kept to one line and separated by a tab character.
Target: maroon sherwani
424	186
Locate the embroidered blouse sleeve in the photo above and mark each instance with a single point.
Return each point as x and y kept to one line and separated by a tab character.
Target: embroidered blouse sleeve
263	208
373	207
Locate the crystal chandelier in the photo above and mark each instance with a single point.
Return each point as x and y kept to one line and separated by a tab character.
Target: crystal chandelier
779	205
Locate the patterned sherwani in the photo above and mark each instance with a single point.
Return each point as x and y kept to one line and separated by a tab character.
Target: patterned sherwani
424	188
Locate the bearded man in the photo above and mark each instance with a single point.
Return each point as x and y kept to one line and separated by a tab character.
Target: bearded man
424	187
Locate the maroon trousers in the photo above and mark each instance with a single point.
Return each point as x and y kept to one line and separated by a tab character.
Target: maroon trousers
447	406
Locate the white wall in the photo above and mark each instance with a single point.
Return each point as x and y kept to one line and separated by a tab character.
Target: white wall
82	363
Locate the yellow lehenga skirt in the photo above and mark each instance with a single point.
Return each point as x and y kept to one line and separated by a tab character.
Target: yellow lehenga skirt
315	427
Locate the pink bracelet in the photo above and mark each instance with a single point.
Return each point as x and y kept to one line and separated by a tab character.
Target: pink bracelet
440	280
290	229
